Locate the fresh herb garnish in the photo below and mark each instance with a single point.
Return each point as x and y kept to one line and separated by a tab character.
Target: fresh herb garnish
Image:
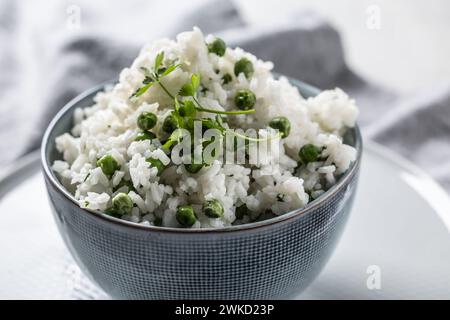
190	89
174	138
186	104
155	77
159	60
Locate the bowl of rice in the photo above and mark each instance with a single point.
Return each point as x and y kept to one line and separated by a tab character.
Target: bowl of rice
201	174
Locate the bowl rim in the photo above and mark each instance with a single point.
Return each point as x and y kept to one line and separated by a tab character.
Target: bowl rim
51	177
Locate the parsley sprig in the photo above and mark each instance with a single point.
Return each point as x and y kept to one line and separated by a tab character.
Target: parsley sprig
187	90
186	103
159	72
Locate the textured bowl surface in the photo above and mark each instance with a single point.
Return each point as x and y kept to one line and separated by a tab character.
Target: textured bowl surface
272	259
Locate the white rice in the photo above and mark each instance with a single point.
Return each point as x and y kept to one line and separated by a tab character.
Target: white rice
109	127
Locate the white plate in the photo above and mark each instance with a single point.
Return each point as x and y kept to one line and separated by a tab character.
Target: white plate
396	244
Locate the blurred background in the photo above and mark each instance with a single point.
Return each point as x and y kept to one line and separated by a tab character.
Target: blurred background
407	52
392	56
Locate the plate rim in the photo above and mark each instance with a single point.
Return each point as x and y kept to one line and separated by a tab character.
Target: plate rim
431	191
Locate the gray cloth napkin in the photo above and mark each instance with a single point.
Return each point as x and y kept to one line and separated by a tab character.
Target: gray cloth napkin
45	61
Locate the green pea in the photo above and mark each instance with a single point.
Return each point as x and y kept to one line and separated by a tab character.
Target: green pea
188	109
156	163
213	208
113	213
309	153
245	99
108	164
193	167
146	120
218	46
227	78
241	211
158	221
186	216
125	183
145	135
169	124
282	124
182	111
245	66
122	203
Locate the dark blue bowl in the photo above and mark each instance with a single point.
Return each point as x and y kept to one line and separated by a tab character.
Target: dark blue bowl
271	259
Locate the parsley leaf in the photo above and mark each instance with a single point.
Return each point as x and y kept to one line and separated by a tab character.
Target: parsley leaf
195	81
190	89
140	91
159	59
170	69
174	138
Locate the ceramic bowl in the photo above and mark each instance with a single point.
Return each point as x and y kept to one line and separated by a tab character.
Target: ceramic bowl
271	259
